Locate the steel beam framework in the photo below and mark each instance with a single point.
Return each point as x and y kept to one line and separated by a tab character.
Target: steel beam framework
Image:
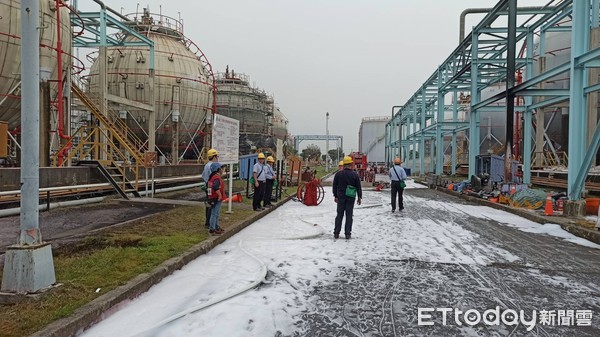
299	139
480	61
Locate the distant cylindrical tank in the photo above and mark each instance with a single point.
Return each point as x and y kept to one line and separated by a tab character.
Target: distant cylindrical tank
183	83
280	125
372	138
10	53
492	124
557	51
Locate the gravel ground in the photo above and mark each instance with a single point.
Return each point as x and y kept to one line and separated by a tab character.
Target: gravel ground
60	224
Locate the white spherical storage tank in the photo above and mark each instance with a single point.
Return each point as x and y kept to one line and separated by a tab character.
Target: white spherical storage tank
183	83
10	53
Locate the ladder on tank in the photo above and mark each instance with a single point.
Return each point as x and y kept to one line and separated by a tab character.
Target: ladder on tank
110	146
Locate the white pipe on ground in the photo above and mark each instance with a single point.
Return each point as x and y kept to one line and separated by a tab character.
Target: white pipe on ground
15	211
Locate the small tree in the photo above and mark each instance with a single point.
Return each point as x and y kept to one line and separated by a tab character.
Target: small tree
333	154
311	152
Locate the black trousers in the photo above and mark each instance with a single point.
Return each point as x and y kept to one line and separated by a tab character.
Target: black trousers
396	189
207	212
344	205
268	192
259	194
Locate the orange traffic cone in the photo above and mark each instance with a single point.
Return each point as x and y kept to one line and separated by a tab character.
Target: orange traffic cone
549	209
236	198
513	189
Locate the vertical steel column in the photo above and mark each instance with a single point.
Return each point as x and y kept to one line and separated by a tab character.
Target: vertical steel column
439	140
414	134
511	53
28	266
431	154
400	135
595	10
387	141
421	128
454	119
30	122
580	36
327	142
528	120
475	97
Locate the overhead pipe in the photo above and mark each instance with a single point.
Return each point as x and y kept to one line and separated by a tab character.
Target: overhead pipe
463	15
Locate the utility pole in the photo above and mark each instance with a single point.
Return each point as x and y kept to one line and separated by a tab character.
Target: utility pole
28	265
327	142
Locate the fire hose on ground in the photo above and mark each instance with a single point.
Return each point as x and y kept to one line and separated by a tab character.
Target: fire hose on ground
262	272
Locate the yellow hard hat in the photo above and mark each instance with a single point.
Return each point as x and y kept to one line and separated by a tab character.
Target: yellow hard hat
261	156
341	163
347	160
212	152
397	161
270	159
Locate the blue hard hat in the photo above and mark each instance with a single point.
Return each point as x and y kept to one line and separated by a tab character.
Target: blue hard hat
215	167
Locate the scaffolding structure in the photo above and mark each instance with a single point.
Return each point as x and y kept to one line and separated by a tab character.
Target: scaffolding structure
261	121
487	57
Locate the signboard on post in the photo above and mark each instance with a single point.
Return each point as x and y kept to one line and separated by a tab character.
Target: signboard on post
225	139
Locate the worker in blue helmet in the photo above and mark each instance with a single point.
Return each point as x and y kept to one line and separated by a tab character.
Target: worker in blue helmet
216	195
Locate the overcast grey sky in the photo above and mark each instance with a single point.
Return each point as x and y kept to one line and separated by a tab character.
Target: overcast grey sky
351	58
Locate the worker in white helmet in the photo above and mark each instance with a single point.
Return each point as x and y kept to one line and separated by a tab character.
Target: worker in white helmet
270	175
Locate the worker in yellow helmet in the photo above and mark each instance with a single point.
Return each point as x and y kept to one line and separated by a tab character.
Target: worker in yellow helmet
397	176
213	157
341	165
346	189
270	175
260	182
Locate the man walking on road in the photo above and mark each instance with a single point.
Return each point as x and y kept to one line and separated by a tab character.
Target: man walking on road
398	176
213	157
346	187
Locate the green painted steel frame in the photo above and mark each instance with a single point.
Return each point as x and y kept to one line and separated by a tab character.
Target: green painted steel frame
98	23
480	61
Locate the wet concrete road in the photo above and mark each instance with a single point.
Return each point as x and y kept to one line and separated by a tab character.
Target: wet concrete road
382	297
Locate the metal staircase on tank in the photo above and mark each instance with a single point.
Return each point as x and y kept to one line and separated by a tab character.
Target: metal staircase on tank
116	176
110	145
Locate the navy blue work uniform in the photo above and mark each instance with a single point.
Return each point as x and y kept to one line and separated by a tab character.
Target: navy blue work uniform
345	204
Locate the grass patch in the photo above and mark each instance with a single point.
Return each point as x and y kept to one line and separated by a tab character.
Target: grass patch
110	259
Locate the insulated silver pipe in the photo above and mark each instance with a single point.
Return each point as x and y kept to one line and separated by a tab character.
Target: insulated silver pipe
15	211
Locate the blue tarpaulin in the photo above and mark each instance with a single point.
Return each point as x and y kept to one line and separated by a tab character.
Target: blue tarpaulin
246	164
